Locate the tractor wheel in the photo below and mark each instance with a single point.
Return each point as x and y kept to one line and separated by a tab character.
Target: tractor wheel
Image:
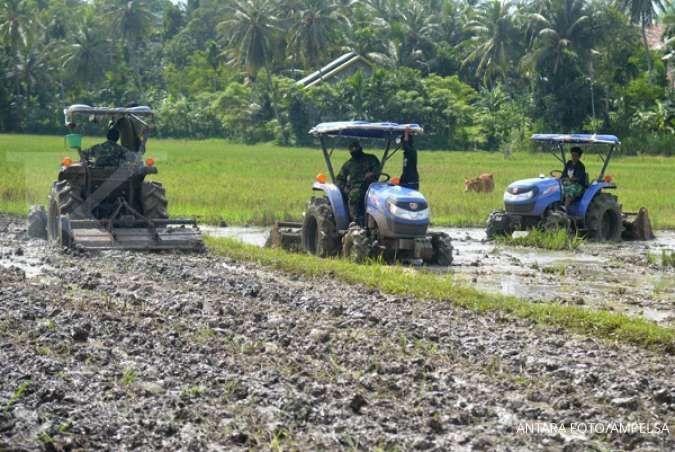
68	199
61	206
37	223
498	225
442	245
556	221
356	245
155	205
603	219
319	234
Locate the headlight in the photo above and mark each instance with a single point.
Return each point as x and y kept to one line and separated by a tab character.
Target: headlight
408	214
519	197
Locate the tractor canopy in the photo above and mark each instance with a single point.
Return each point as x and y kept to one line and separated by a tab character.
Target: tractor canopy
132	122
558	140
389	131
575	138
363	129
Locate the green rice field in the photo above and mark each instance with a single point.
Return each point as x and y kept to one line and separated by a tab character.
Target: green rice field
219	181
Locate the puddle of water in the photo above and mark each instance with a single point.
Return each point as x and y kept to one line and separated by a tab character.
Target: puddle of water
253	235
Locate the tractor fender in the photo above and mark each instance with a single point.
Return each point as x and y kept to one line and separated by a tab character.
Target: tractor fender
337	203
579	209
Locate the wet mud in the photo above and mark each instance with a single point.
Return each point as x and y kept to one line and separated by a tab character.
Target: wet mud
118	350
623	277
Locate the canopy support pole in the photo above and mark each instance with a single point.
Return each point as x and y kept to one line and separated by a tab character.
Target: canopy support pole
326	157
605	162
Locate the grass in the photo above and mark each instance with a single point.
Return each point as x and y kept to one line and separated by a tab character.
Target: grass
667	258
18	395
215	180
427	286
559	240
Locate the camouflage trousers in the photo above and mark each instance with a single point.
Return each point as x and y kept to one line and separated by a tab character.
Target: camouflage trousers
572	190
356	204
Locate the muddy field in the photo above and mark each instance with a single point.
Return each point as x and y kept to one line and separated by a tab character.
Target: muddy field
615	277
117	350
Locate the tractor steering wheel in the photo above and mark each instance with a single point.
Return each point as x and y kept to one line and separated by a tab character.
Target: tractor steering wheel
556	173
387	177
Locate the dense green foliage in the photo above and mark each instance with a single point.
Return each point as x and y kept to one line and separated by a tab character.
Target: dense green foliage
258	184
475	74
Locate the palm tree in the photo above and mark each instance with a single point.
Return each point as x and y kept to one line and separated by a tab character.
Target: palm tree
250	30
561	34
643	12
415	29
492	41
133	21
13	22
33	62
86	54
313	26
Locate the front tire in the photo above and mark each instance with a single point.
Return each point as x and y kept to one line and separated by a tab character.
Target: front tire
442	245
37	223
356	245
498	225
603	219
556	221
319	233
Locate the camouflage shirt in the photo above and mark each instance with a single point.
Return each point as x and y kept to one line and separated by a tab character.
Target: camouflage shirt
353	173
109	154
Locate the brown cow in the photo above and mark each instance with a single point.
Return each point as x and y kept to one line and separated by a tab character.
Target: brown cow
483	183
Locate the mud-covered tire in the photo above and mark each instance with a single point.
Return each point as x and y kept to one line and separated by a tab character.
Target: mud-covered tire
356	245
37	223
498	225
69	199
442	245
555	221
604	222
59	231
319	233
155	204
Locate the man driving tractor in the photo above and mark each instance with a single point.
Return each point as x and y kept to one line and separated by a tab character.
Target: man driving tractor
109	153
355	176
574	176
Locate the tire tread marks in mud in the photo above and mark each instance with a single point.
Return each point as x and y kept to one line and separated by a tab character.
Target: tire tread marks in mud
442	249
37	222
155	204
356	245
603	218
498	224
319	233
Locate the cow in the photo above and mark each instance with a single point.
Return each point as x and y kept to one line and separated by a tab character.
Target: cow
483	183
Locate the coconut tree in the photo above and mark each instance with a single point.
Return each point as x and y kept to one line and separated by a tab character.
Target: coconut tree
643	12
250	31
86	54
133	21
491	44
14	20
313	25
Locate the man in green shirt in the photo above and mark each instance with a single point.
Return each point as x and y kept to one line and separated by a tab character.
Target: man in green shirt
354	178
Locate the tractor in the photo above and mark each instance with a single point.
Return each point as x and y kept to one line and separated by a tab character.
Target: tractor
538	202
395	227
93	205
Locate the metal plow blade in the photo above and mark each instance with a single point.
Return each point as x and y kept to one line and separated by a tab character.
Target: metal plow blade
167	236
285	235
636	225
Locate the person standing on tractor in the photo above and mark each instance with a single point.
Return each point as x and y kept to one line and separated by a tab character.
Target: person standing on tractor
355	176
574	176
410	178
109	153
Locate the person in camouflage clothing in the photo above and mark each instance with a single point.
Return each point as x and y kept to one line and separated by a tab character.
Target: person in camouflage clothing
354	178
109	153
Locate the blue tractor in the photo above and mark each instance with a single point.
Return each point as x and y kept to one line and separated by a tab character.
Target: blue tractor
396	223
539	203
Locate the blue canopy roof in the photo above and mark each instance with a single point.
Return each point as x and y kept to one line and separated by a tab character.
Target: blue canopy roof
363	129
575	138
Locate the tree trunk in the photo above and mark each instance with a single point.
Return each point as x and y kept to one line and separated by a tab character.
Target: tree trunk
272	92
643	27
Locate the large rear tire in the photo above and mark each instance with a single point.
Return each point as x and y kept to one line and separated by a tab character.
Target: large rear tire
155	205
356	245
442	245
603	219
63	203
498	225
319	233
37	223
